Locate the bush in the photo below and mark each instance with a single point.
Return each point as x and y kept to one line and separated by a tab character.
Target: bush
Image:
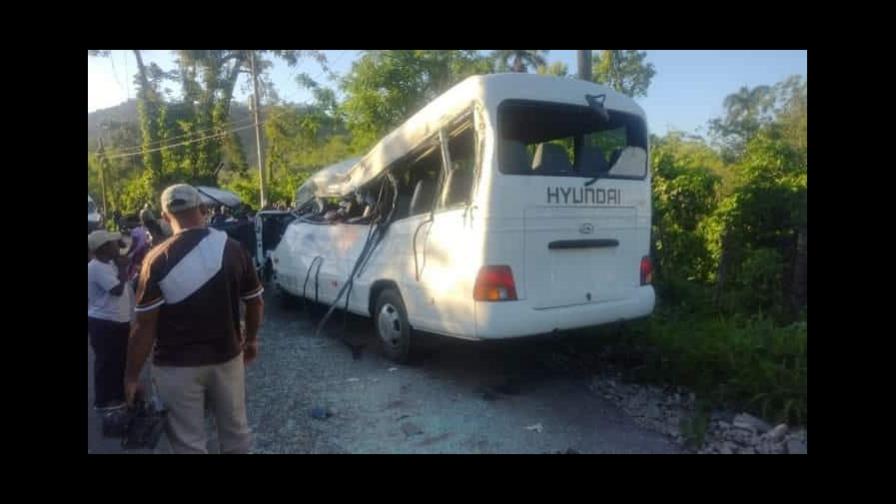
744	363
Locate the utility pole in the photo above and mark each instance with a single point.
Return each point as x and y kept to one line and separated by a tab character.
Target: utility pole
256	112
585	64
101	155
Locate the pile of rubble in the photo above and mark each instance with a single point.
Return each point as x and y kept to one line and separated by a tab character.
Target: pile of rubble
670	410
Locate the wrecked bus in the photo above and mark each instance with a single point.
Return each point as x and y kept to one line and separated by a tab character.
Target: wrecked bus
511	205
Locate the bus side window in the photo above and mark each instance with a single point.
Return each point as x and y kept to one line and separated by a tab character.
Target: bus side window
462	150
419	175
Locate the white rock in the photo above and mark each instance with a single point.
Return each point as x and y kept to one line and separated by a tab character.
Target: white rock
777	434
749	421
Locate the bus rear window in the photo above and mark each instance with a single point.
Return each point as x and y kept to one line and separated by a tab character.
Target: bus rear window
554	139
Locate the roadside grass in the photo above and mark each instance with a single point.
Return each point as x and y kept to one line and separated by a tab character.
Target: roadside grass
747	363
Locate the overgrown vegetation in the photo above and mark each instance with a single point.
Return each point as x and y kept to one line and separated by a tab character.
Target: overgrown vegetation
730	212
729	241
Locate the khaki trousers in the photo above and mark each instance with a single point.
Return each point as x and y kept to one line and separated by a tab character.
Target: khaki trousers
186	391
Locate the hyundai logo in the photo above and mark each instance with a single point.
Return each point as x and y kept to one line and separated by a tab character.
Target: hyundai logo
586	228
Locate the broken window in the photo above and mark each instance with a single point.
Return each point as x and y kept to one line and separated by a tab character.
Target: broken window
555	139
418	178
462	151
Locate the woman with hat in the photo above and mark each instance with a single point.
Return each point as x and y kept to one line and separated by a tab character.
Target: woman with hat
110	303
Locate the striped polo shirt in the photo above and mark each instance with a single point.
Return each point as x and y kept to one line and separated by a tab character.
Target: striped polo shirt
197	279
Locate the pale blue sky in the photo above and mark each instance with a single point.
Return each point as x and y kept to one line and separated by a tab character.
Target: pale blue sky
686	92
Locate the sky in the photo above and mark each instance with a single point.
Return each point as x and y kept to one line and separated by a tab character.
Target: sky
686	92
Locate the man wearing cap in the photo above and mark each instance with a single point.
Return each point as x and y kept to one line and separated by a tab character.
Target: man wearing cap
157	232
110	300
189	295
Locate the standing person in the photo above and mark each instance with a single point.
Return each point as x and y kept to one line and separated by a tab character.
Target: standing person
157	233
188	315
110	300
139	248
217	215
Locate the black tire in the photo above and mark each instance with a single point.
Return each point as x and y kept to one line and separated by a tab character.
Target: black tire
390	323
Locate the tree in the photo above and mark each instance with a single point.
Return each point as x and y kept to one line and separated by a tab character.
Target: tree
760	229
685	189
745	112
208	78
383	88
624	71
199	119
519	61
556	69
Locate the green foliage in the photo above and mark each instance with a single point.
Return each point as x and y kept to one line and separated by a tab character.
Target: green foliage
684	195
749	363
624	71
520	61
726	220
749	111
556	69
202	116
384	88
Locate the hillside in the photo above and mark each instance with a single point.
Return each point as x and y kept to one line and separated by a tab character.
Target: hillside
127	113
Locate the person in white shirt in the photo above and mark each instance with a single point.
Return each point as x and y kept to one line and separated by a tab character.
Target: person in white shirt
110	305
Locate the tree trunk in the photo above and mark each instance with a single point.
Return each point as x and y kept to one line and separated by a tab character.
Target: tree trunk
724	262
799	290
148	110
144	81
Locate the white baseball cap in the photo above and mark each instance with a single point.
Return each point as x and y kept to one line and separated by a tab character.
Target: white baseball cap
100	237
180	197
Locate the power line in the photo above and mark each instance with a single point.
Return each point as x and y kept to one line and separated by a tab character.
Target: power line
185	135
116	156
120	154
137	150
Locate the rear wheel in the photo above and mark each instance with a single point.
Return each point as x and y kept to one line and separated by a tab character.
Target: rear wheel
390	321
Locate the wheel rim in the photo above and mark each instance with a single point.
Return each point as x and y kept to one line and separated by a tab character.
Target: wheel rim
389	325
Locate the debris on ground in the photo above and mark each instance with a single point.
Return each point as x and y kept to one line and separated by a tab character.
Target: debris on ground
320	413
411	429
668	409
535	427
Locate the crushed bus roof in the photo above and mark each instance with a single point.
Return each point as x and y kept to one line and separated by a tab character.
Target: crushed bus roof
489	90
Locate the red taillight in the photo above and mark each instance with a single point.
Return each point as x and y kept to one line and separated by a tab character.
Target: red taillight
494	283
646	271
